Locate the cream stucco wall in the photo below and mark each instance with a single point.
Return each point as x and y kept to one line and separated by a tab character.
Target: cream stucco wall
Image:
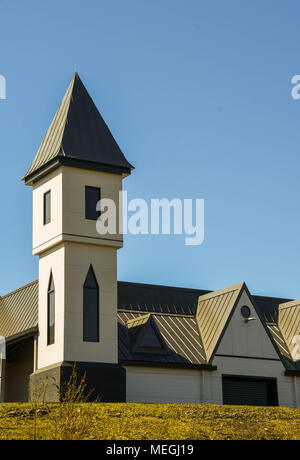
69	264
246	339
68	222
74	182
158	385
45	236
78	258
51	261
67	246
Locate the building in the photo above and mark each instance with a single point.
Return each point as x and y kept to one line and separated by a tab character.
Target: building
136	342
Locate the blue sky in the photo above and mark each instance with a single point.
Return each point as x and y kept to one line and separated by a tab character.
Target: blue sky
198	96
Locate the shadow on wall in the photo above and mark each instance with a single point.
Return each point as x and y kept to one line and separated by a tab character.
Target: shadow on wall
19	366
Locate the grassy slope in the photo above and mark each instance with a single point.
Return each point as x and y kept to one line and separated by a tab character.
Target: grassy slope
154	421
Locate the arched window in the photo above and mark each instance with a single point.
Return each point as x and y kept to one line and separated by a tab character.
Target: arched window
51	312
91	308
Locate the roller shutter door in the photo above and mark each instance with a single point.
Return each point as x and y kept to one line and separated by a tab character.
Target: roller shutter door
249	391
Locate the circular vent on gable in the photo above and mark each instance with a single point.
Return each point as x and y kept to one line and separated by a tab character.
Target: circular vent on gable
246	312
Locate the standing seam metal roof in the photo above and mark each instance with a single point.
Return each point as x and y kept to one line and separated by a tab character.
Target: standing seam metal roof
212	314
177	321
78	133
180	334
19	310
289	325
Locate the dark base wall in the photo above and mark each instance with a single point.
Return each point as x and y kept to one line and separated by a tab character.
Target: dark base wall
106	381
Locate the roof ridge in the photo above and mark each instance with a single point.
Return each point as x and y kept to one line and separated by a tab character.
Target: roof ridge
265	298
159	313
19	289
219	292
262	298
162	286
290	304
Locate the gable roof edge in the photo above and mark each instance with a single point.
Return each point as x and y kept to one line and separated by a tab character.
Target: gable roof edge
242	288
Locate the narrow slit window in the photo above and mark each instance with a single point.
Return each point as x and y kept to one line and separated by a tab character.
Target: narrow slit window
51	312
47	207
92	196
91	308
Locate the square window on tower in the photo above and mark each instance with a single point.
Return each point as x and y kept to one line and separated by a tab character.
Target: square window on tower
92	196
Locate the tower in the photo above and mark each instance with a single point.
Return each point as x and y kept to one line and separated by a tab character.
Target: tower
78	163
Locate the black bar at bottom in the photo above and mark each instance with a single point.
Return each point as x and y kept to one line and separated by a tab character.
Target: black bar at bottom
141	449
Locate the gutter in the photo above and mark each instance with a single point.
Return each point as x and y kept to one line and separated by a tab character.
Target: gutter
292	373
21	335
201	367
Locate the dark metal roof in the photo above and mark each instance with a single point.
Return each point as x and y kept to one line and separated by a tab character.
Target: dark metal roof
78	136
269	306
169	299
155	298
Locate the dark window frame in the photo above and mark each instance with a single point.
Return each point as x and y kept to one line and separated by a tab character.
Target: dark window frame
150	336
86	289
51	295
47	215
137	348
91	214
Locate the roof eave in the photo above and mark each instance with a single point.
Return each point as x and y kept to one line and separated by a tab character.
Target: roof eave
75	163
203	367
292	373
21	335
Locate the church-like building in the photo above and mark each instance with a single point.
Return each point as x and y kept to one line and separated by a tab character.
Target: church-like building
136	342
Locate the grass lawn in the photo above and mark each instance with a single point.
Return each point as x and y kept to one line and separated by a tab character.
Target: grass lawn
147	421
